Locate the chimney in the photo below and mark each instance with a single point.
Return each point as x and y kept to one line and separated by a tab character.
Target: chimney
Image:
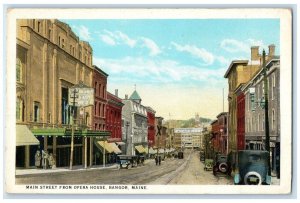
271	50
116	92
254	53
126	96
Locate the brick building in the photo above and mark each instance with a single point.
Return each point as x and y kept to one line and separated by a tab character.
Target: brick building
151	126
114	116
100	102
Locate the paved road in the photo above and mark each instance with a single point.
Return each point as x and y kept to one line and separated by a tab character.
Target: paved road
171	171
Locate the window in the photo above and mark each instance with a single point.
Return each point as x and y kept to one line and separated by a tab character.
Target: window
273	119
100	90
19	70
63	43
19	110
36	111
258	122
263	123
58	40
39	26
99	109
65	112
49	34
33	24
273	85
95	110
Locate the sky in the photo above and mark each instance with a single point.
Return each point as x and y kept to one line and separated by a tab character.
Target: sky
177	66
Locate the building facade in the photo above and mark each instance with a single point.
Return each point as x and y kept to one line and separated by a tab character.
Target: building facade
239	71
151	126
100	84
255	112
137	113
114	116
50	60
190	138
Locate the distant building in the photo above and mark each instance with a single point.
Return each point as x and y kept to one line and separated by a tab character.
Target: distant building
137	113
190	138
151	126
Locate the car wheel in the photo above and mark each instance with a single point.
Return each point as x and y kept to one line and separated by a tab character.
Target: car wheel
252	178
223	167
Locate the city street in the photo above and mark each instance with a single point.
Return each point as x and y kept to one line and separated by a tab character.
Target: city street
171	171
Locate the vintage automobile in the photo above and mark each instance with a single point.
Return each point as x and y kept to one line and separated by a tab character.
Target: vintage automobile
208	164
127	161
252	168
180	155
220	165
202	156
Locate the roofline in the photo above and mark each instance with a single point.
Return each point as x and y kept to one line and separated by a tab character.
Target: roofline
232	63
214	121
99	70
257	74
220	114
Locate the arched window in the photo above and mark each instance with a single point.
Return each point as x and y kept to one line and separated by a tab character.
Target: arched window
19	70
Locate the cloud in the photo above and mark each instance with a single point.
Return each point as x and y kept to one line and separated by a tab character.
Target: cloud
233	45
120	38
84	33
201	53
108	40
117	38
151	45
158	71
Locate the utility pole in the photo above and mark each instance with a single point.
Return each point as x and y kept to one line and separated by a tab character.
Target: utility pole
74	96
267	140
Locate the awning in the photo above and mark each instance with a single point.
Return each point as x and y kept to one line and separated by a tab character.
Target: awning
68	132
152	151
115	148
120	143
140	149
25	137
104	145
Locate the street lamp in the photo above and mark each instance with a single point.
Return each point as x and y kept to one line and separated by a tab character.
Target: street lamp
126	144
132	150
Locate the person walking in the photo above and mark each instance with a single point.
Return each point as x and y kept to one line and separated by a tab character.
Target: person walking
159	160
37	158
156	160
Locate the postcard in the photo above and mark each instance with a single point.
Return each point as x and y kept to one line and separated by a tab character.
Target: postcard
148	101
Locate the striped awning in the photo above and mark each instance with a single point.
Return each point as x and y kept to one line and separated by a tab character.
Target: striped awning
140	149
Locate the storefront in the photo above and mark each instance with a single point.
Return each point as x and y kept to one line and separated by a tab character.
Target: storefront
57	141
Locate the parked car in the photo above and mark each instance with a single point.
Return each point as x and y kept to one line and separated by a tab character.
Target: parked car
202	156
253	167
208	164
180	155
221	165
127	161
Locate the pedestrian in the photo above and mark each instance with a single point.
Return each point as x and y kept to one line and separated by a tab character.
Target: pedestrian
37	158
159	160
51	161
156	160
45	157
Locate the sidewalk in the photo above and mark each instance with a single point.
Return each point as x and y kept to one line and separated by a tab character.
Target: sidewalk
63	169
66	169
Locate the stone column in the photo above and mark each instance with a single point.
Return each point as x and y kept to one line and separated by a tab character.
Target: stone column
27	156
